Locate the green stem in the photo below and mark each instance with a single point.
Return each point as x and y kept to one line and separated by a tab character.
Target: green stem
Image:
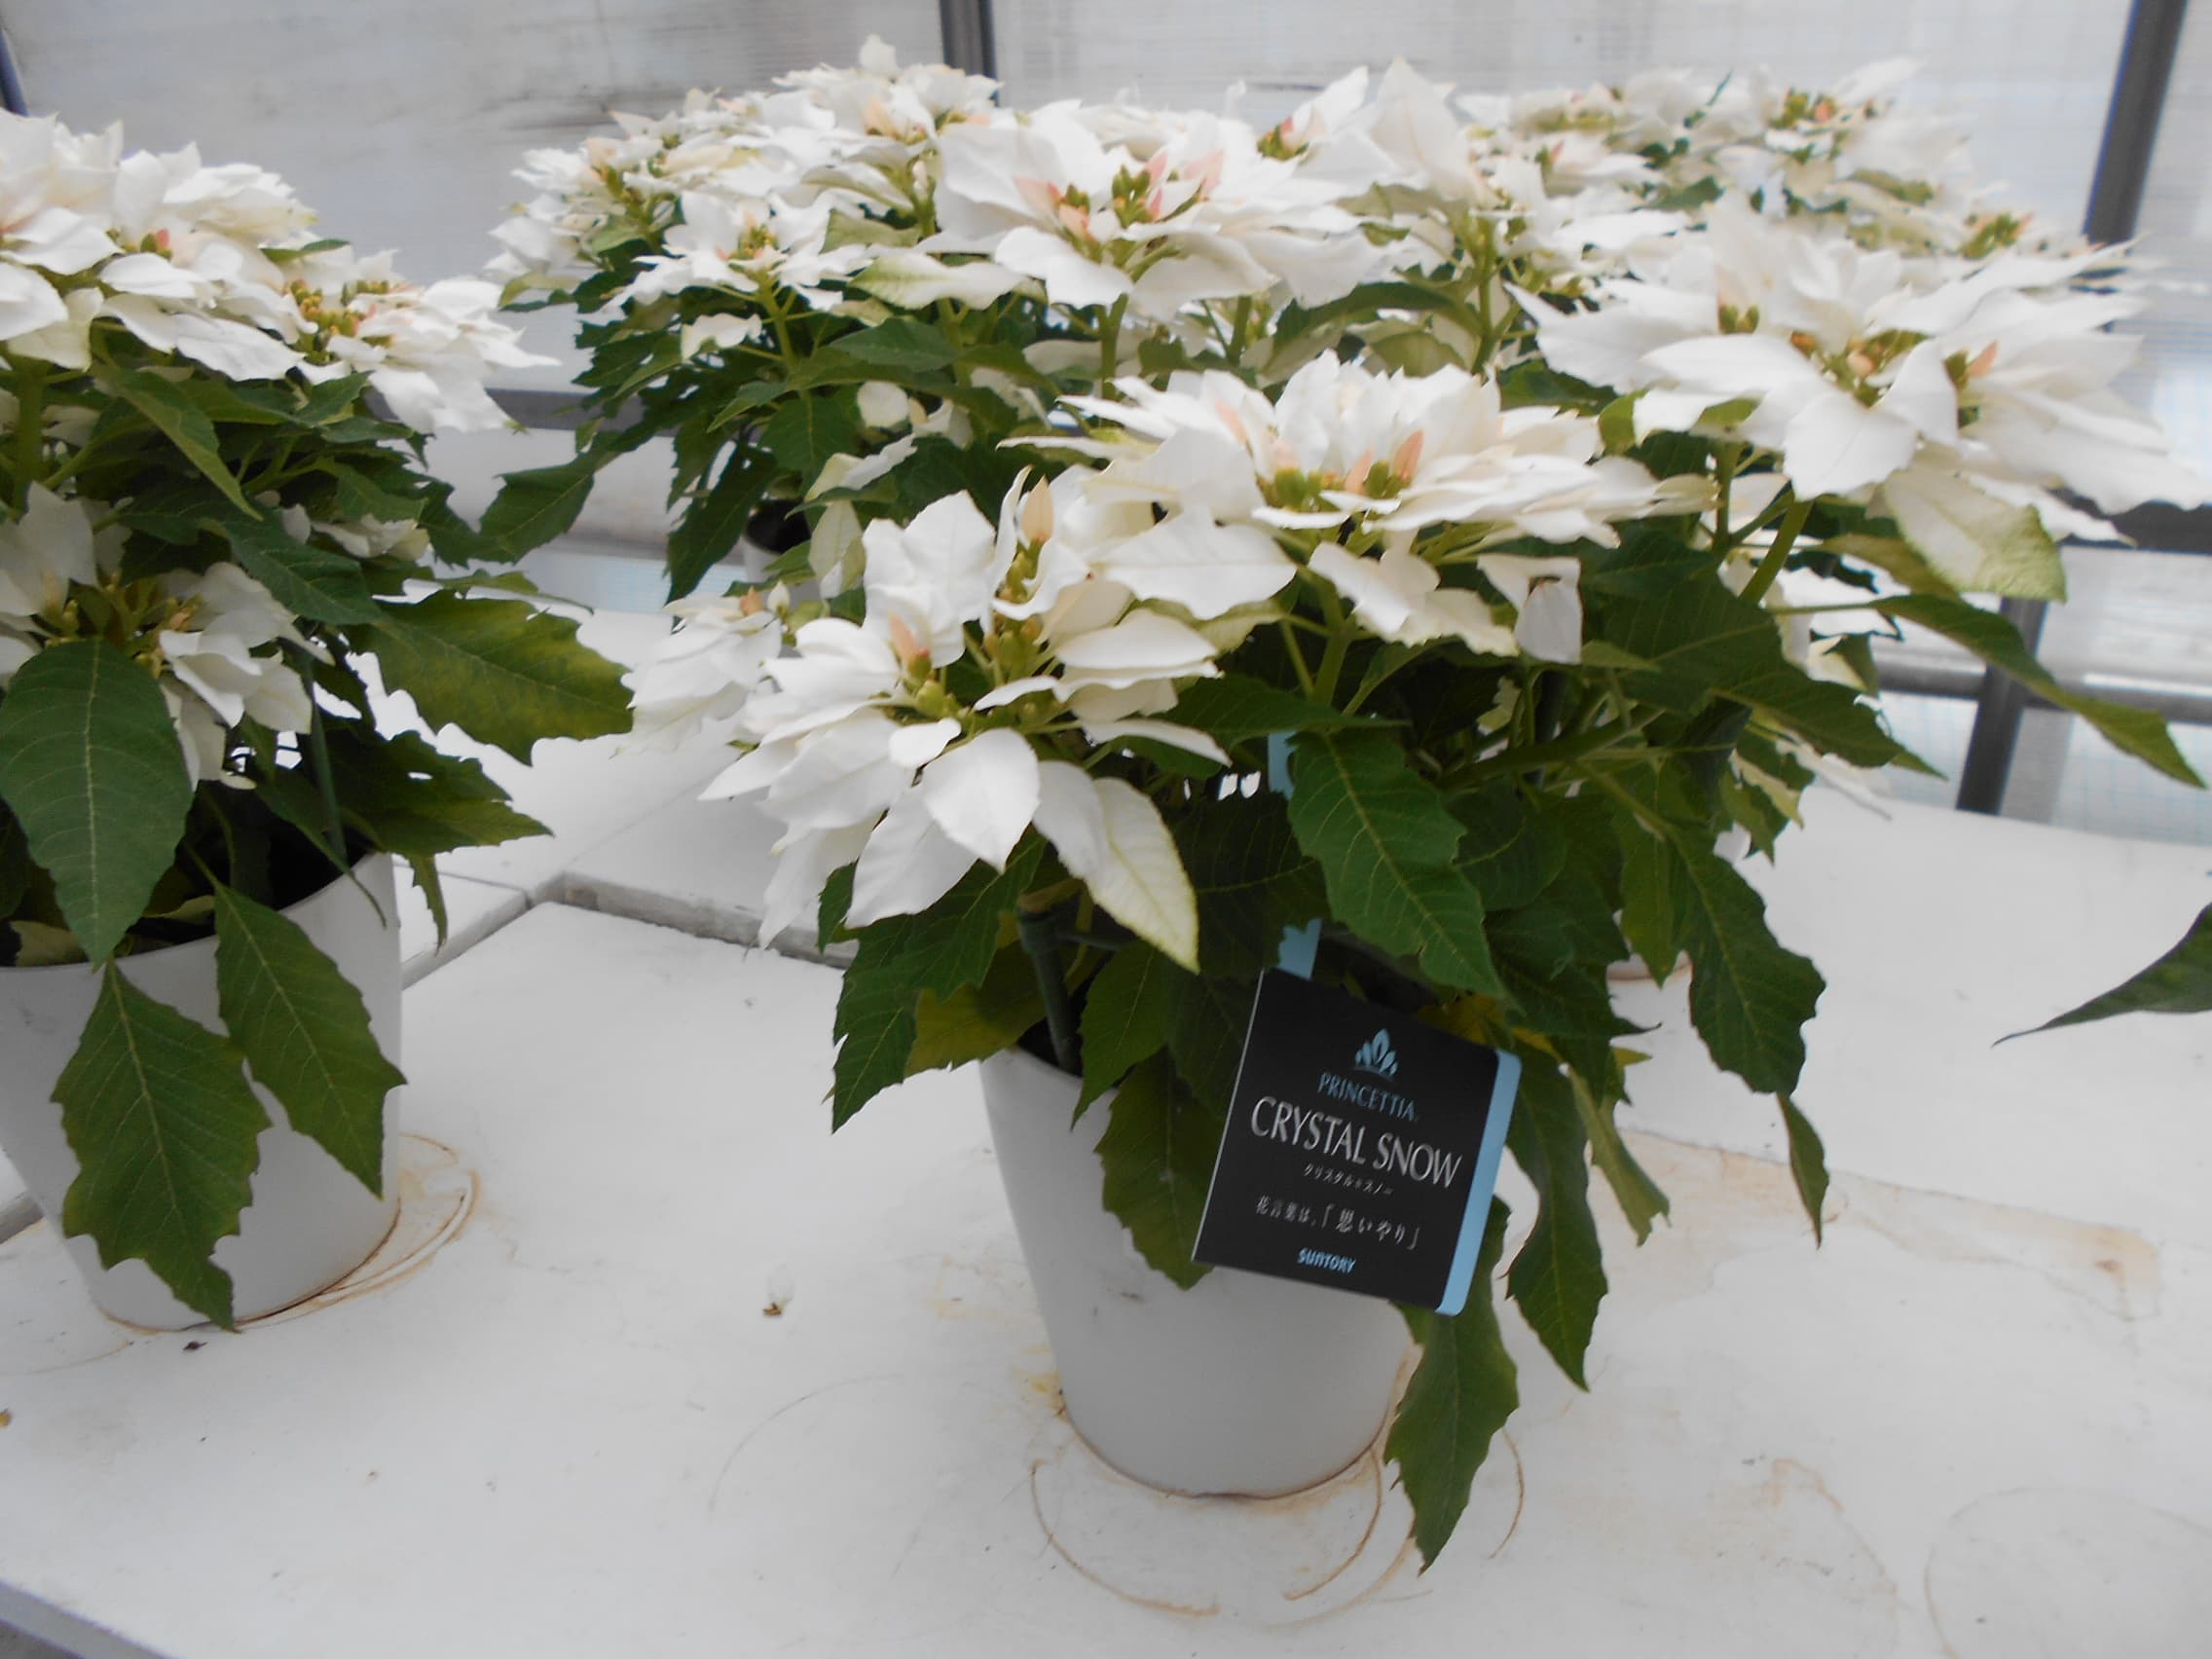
1297	658
1777	556
1036	930
30	429
1724	468
1110	340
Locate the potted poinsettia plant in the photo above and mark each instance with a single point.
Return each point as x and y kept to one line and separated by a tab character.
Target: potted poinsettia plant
1407	538
212	438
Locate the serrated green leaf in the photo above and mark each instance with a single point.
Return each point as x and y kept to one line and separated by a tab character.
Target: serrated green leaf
1384	840
1650	917
411	799
1808	1161
1639	1195
945	948
979	1020
1206	1040
1994	640
182	420
431	886
2177	983
1249	879
1125	1015
1235	708
875	1028
309	581
805	432
305	1033
167	1134
536	505
1460	1395
709	530
1158	1150
904	344
1750	998
1703	640
503	670
1513	849
91	767
1559	1278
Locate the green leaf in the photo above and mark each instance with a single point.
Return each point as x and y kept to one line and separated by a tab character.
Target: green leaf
979	1020
1158	1150
307	582
1808	1161
1702	640
1127	1014
2177	983
1639	1195
1513	850
91	767
305	1033
410	799
904	344
1250	880
1650	915
1750	998
1559	1278
1460	1395
808	430
167	1133
1212	1013
950	945
535	507
1997	641
503	670
433	888
876	1028
1233	707
711	525
185	425
1384	840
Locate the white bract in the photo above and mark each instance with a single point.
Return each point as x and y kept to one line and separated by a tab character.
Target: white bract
1397	368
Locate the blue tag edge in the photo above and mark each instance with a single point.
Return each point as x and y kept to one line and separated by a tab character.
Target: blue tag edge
1482	1186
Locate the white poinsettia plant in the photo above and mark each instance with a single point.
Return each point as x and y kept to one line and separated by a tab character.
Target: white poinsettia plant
1443	519
212	430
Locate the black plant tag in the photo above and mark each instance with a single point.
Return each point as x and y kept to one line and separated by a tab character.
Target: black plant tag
1361	1148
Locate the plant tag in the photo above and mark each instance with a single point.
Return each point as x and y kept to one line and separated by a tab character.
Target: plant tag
1361	1148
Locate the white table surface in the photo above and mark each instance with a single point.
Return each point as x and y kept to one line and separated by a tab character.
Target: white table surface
571	1429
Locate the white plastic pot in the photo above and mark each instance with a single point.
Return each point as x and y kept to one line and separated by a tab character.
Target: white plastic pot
1241	1384
310	1223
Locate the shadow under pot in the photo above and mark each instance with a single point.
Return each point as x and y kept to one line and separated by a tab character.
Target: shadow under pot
310	1223
1242	1384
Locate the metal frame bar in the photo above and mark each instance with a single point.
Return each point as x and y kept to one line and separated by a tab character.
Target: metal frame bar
11	84
2146	70
969	42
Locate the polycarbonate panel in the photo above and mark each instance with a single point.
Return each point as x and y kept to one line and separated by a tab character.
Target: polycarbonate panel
401	121
2033	75
2175	380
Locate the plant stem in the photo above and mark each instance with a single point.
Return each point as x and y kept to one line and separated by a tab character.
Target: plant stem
1296	657
1036	930
1110	340
1724	469
1785	539
30	429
